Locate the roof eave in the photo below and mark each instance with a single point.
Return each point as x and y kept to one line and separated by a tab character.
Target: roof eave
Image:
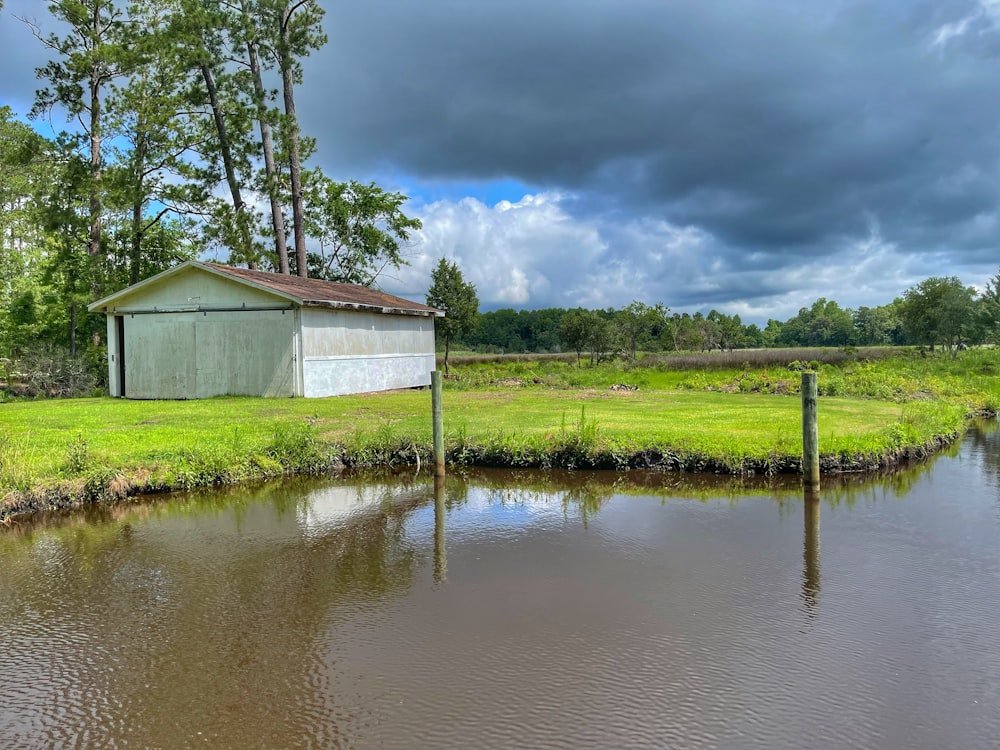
335	305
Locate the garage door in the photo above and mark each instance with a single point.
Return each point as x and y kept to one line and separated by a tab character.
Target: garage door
191	355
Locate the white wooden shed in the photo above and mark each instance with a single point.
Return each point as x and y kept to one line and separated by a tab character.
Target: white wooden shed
203	329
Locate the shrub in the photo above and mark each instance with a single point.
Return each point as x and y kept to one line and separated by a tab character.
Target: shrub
47	371
77	459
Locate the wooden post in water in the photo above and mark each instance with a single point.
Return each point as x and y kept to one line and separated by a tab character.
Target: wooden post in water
810	433
438	416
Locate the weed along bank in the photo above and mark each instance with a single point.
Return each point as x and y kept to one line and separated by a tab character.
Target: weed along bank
202	329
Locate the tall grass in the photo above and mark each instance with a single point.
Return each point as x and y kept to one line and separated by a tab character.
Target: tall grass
17	457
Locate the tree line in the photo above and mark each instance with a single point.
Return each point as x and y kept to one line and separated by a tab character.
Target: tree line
937	312
174	133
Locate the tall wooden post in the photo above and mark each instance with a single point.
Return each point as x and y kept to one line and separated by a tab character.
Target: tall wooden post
810	433
438	415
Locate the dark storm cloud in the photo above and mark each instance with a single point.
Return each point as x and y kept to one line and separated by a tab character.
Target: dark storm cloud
777	126
748	155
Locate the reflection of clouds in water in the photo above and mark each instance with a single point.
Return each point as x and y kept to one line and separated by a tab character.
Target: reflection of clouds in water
337	506
326	509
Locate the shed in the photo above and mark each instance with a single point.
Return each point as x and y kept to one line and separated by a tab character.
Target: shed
204	329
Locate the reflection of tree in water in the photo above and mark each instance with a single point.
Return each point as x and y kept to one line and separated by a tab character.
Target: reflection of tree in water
985	439
205	626
589	491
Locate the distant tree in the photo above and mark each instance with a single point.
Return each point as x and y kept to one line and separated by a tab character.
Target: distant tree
753	337
771	335
575	331
27	175
602	339
543	329
496	332
450	292
687	332
706	332
875	326
990	309
729	329
26	172
825	323
940	310
642	326
670	335
632	324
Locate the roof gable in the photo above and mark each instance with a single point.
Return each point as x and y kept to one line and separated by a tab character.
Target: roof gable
188	287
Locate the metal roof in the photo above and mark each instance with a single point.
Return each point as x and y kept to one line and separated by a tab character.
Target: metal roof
305	292
324	293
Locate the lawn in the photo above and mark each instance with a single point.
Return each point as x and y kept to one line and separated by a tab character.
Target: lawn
736	413
185	443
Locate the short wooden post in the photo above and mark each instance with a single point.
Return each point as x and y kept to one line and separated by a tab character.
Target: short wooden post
810	433
438	416
440	552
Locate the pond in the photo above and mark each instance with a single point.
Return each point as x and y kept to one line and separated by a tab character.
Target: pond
538	610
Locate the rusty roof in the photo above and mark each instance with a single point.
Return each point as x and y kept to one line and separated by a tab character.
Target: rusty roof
319	293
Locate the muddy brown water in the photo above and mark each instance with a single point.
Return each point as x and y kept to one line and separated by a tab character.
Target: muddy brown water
518	611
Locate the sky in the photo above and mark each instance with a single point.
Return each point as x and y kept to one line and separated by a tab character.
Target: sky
745	155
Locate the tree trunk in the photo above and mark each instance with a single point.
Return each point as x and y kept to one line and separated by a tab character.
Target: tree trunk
239	207
447	348
72	329
138	161
294	163
135	256
94	247
270	168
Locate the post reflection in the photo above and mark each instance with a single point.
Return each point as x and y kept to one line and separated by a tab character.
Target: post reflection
810	553
440	553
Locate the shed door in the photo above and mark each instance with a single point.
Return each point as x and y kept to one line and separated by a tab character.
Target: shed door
159	356
244	353
192	355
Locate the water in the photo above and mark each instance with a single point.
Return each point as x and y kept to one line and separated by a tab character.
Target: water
533	610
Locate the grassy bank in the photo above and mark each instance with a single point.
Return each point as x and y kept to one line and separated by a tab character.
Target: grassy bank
545	413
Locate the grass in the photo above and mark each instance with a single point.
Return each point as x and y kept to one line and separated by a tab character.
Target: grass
527	413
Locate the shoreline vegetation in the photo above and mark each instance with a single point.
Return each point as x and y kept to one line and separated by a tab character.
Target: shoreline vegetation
727	413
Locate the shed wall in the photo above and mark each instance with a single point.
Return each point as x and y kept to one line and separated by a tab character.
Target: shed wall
347	351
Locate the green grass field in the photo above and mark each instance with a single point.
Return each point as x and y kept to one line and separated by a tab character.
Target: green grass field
528	413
